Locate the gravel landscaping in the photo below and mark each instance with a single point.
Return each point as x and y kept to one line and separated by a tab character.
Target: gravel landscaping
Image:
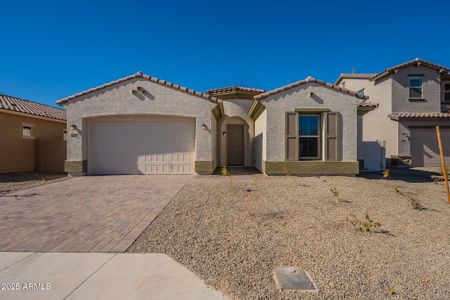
234	231
12	182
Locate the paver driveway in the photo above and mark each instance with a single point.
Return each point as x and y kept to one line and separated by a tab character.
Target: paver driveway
94	213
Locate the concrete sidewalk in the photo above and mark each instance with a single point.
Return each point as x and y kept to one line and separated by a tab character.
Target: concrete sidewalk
98	276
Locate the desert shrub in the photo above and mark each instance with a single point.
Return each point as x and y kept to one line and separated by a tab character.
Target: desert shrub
365	225
224	171
414	202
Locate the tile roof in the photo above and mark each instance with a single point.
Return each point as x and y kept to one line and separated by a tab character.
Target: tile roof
229	89
368	104
353	76
306	81
415	62
32	108
397	115
141	75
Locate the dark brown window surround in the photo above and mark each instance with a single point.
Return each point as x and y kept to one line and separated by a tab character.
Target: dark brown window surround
331	139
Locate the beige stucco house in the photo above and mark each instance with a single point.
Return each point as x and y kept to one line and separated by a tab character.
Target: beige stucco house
144	125
413	98
33	136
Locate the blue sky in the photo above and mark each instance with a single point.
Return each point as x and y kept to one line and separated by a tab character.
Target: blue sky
52	49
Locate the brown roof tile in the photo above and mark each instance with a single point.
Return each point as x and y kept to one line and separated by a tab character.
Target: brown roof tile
32	108
141	75
306	81
398	115
415	62
235	89
367	103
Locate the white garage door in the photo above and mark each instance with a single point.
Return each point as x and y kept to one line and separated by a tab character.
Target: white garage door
425	149
142	146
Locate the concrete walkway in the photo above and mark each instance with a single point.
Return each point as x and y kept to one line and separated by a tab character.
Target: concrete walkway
98	276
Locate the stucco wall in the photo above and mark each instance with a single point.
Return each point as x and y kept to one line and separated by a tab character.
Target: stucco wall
119	100
298	98
46	152
260	140
431	90
378	128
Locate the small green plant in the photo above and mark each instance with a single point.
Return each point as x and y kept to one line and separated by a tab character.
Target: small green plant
224	171
286	171
386	173
390	291
441	171
364	225
414	202
335	192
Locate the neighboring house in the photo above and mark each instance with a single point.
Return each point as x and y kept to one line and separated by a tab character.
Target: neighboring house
33	136
144	125
413	98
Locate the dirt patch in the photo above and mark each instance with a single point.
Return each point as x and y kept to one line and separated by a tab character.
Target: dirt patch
13	182
233	238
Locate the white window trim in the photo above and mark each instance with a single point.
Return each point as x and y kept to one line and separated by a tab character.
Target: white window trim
410	86
319	138
31	137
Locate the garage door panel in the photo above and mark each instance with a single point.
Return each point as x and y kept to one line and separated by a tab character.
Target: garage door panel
127	147
425	149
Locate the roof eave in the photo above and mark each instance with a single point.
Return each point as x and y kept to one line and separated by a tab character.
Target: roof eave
180	88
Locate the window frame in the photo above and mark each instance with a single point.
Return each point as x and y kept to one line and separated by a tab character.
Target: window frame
445	91
31	127
410	77
319	136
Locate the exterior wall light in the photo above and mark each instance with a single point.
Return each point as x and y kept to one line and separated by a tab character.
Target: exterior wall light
224	133
204	127
73	127
311	94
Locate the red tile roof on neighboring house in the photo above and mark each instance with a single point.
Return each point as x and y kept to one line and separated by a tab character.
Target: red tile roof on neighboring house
398	115
306	81
353	76
368	104
141	75
19	105
415	62
235	89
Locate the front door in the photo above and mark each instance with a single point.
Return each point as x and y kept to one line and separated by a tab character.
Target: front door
235	145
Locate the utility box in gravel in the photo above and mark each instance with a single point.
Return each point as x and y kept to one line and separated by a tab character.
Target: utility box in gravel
293	278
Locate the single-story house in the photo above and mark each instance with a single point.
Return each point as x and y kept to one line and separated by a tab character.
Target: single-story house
33	136
144	125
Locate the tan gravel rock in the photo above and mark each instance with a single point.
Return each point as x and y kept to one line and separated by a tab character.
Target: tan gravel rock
233	238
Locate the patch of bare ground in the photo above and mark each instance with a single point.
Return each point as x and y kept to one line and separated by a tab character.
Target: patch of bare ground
234	231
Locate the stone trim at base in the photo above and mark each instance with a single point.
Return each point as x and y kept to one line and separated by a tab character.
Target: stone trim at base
349	168
75	167
204	167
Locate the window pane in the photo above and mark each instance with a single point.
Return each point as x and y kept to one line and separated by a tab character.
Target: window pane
26	131
447	96
308	147
415	92
415	81
308	125
447	87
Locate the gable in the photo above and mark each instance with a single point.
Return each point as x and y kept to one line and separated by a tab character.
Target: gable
161	82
